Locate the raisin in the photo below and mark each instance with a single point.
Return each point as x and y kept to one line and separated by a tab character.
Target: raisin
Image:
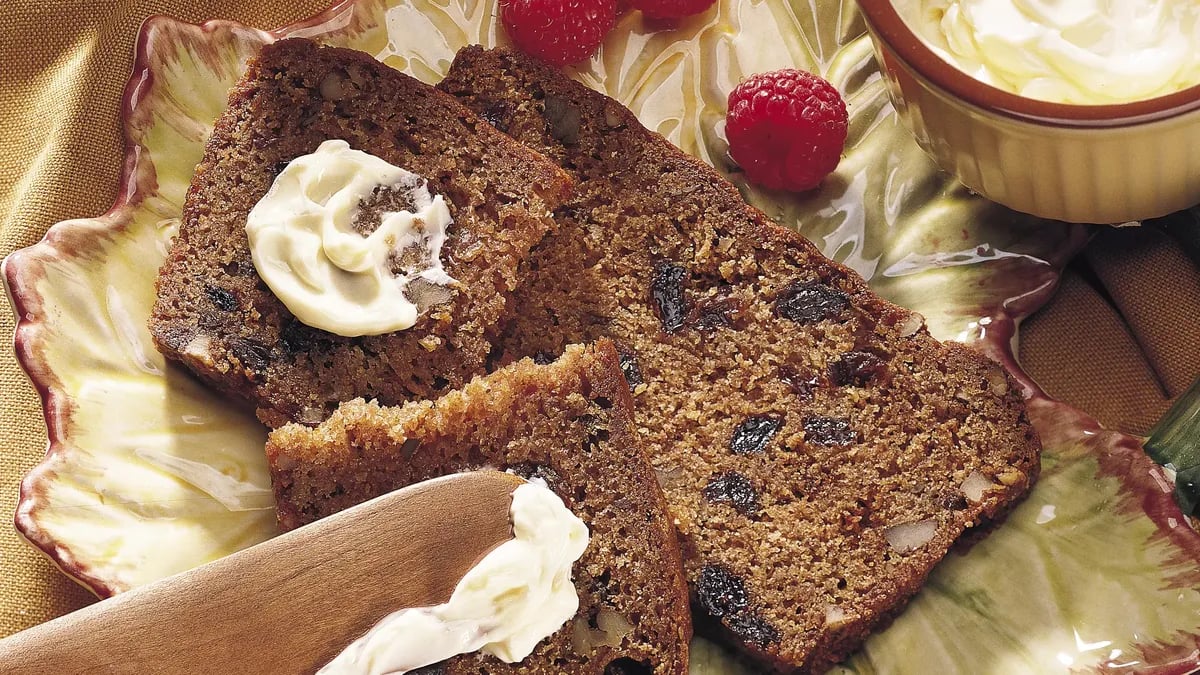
711	321
666	290
435	669
254	355
498	115
297	337
832	431
720	591
223	299
530	470
751	437
857	368
955	501
629	366
211	319
751	627
810	302
627	666
735	489
715	312
801	384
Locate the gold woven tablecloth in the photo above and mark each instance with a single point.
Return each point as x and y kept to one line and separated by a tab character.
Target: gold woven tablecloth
1121	338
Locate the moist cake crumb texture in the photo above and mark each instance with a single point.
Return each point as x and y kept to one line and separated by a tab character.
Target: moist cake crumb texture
568	423
812	439
216	316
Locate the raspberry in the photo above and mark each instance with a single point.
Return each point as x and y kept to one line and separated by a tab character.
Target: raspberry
670	9
786	129
558	31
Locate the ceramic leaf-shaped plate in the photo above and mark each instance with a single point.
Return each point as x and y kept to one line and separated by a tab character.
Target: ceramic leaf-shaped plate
148	473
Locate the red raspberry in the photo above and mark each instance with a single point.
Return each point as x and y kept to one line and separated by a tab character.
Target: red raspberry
786	129
558	31
671	9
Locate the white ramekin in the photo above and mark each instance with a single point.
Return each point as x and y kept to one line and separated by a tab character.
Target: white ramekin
1080	163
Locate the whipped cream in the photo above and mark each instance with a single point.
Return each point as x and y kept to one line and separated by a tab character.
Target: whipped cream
1085	52
305	246
519	594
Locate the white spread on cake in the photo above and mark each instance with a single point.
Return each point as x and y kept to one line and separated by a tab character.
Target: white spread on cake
519	594
1069	51
307	250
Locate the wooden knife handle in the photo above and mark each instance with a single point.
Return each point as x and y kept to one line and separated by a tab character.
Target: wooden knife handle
290	604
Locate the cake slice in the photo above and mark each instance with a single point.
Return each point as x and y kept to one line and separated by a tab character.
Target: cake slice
214	313
567	423
819	450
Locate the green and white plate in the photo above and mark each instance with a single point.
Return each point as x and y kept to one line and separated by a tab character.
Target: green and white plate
149	473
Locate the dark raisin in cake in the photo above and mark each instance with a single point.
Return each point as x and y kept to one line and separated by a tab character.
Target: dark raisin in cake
567	423
819	450
216	316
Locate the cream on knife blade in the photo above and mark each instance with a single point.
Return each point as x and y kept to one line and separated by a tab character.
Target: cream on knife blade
519	594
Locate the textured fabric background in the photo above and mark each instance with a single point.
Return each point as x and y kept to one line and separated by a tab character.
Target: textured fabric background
65	63
1121	338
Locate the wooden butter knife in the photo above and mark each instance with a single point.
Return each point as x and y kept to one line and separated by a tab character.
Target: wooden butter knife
290	604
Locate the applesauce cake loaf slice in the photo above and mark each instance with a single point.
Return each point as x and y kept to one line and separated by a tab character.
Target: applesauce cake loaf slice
567	423
216	315
819	450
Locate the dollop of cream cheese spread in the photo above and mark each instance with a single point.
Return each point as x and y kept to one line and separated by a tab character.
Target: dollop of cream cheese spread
1084	52
330	275
519	594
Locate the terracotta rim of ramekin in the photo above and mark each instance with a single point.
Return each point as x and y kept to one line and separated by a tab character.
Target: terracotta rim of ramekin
885	21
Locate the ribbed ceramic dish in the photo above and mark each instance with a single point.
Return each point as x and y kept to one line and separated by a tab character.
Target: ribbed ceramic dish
1083	163
148	473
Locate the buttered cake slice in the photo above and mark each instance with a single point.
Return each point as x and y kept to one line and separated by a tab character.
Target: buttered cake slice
568	424
350	232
